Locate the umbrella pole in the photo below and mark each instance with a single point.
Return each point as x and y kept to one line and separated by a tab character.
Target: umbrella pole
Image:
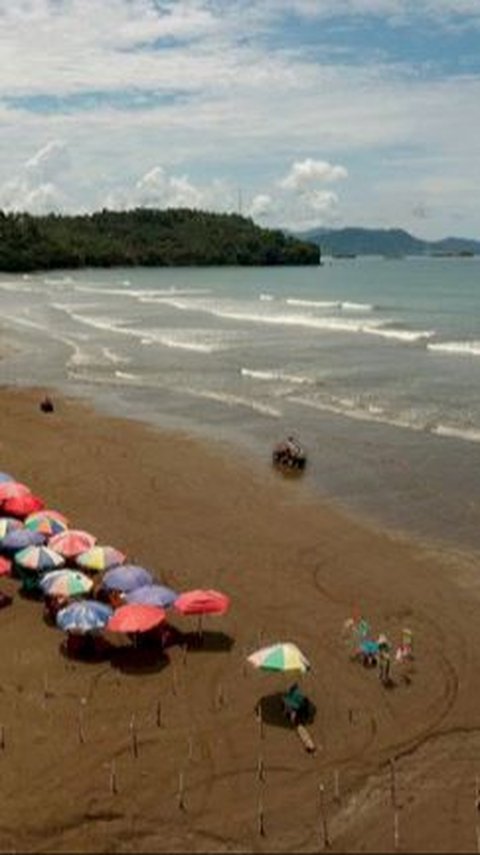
200	627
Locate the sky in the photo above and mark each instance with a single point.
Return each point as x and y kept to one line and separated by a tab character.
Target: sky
298	113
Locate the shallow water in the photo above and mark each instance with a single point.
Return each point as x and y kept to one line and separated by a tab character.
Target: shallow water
373	363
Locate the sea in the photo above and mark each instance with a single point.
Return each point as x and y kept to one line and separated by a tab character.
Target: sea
372	363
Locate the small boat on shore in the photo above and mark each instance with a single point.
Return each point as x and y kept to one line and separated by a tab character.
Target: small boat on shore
289	456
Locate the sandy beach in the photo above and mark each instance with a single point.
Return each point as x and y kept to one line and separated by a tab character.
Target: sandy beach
295	570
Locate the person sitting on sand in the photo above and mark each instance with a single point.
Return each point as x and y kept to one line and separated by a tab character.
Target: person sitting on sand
295	705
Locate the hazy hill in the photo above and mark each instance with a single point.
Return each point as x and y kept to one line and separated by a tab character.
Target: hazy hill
360	241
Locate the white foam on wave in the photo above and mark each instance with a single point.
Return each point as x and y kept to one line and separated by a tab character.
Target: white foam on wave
234	401
186	344
469	434
349	408
266	297
314	304
357	307
327	323
461	348
113	357
275	375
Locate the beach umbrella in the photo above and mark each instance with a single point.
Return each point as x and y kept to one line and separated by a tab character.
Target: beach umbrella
84	616
47	522
126	578
39	558
72	542
8	524
22	506
20	538
283	656
12	489
202	602
100	558
134	617
65	583
5	566
152	595
4	476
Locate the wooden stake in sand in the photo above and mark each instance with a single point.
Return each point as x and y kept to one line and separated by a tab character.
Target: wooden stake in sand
260	719
81	730
323	819
113	779
260	817
396	831
181	791
260	768
336	785
393	785
158	716
133	736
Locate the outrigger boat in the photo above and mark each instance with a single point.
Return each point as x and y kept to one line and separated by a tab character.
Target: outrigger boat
289	455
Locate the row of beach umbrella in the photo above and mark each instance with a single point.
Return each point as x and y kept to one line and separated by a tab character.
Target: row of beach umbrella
40	542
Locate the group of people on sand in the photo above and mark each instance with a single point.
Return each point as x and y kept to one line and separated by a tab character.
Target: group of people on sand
378	652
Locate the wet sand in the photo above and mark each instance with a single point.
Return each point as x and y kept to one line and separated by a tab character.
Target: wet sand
295	569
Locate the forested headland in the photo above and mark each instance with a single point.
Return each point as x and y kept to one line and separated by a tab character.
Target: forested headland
144	237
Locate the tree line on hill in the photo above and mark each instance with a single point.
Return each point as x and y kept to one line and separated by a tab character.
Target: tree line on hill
145	237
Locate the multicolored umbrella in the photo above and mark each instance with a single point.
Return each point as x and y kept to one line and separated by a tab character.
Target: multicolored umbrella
84	616
100	558
47	522
65	583
135	617
152	595
8	524
283	656
72	542
39	558
126	578
22	506
202	602
20	538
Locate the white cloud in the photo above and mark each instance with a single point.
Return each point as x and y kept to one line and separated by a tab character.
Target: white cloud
260	206
306	173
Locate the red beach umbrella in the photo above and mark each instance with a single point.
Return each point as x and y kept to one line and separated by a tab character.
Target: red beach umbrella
23	505
72	542
5	566
12	489
135	618
202	602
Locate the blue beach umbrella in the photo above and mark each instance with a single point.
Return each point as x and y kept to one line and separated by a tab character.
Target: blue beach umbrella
4	476
21	538
39	558
84	616
126	578
152	595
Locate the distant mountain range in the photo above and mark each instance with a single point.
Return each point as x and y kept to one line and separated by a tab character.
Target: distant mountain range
388	242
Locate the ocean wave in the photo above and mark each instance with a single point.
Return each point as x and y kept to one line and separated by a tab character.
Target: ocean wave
462	348
380	327
276	375
469	434
314	304
234	401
